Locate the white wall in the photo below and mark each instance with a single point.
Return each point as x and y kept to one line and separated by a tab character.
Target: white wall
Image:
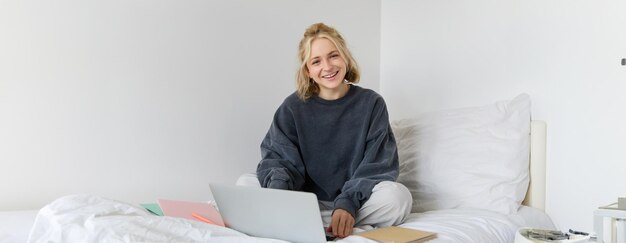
138	100
565	53
113	97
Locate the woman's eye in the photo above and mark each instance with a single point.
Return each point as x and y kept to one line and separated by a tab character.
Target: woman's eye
315	62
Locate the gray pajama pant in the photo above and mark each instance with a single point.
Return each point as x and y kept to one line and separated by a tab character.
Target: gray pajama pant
389	204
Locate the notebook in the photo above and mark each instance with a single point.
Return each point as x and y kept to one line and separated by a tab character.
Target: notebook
153	208
398	235
270	213
200	211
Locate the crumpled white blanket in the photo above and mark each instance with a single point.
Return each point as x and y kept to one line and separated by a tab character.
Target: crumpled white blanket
88	218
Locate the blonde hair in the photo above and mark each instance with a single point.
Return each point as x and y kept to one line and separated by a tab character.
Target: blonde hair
305	86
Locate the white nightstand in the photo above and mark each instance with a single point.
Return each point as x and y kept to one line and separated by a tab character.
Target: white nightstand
618	224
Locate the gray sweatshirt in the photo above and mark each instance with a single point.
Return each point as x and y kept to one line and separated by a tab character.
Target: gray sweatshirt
338	149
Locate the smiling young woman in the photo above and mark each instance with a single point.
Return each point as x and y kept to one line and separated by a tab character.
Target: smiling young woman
333	138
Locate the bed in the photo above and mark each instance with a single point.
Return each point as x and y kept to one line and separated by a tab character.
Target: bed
476	174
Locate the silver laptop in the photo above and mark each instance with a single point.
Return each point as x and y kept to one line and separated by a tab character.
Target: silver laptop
270	213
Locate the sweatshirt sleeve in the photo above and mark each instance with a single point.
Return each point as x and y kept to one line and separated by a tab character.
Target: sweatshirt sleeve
281	165
379	163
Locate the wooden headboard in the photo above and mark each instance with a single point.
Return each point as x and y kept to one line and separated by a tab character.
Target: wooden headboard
536	195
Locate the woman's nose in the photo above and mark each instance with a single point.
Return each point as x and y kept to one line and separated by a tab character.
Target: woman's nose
326	65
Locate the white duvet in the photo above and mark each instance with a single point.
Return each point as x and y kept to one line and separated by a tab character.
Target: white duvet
87	218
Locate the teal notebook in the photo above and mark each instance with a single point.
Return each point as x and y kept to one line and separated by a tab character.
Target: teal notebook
153	208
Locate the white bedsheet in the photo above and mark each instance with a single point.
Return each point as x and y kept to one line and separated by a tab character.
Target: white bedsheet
470	225
85	218
15	225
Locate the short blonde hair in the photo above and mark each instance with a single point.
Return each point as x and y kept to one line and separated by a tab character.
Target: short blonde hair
305	86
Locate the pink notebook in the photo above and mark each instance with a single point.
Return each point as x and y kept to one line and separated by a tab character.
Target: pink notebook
200	211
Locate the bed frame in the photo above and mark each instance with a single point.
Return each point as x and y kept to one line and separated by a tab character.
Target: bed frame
536	195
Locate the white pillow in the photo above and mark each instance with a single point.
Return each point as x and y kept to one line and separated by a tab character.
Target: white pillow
473	157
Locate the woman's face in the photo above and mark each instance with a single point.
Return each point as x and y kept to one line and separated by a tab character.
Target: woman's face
326	67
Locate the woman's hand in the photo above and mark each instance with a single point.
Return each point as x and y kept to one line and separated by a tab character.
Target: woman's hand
341	223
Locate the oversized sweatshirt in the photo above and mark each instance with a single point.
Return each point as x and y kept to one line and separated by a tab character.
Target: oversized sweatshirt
338	149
